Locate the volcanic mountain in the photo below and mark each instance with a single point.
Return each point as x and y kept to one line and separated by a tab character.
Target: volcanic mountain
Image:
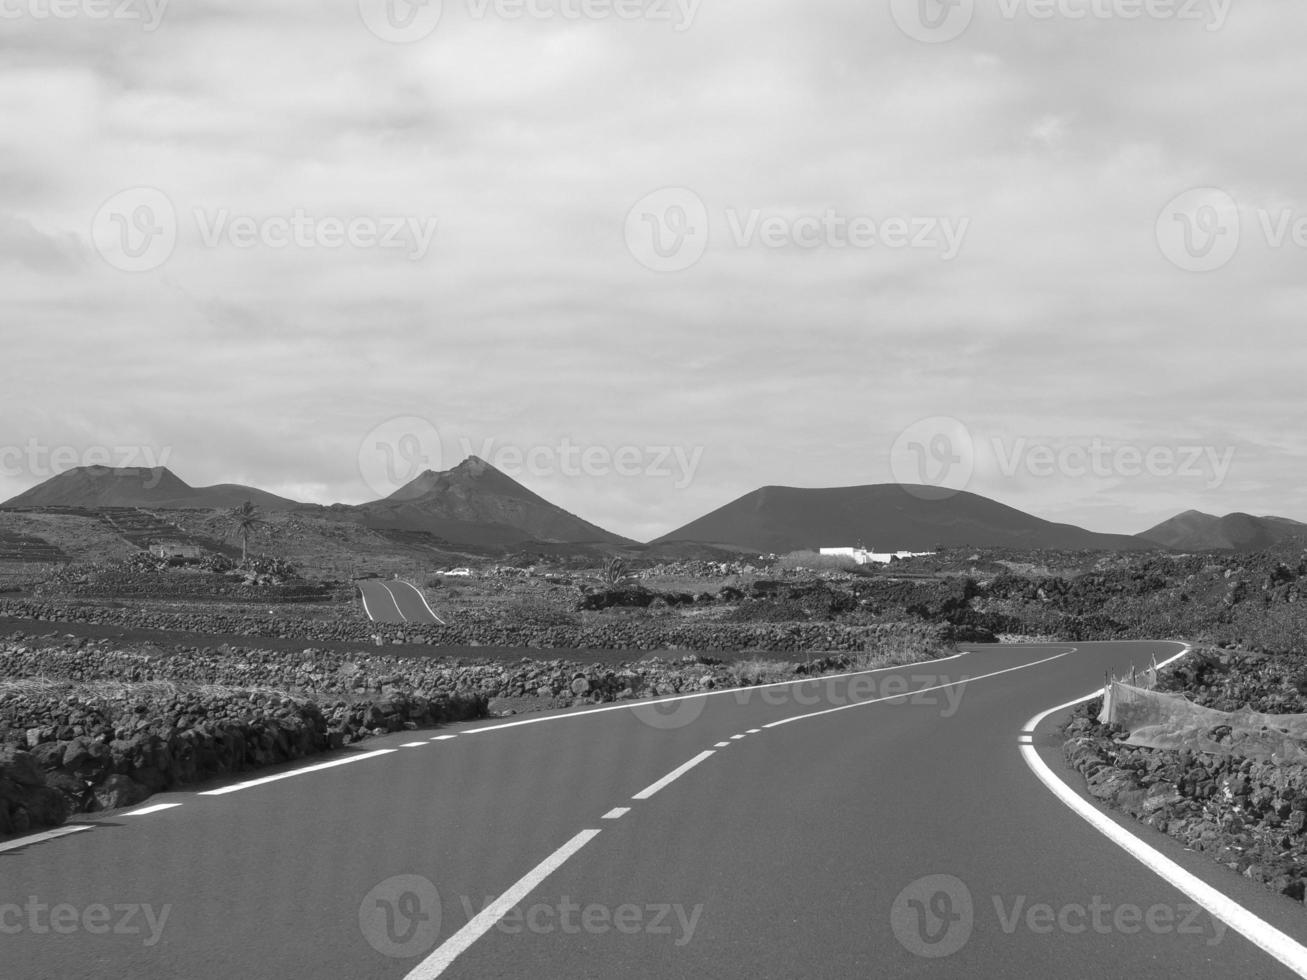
884	517
1196	531
476	504
108	486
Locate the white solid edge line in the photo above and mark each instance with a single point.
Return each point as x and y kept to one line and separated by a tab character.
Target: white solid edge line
1256	930
672	776
371	617
629	705
445	954
394	600
924	690
43	836
155	808
616	813
296	772
425	603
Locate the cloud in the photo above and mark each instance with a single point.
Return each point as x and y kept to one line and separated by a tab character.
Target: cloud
528	321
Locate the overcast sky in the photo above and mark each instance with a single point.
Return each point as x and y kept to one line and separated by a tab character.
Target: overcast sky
271	242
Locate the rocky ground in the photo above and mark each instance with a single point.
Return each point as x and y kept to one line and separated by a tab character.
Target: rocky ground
614	633
1249	815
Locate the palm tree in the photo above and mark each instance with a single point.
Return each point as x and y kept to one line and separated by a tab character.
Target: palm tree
614	572
246	519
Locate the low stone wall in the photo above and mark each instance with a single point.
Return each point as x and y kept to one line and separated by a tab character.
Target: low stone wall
88	725
615	634
106	750
1250	816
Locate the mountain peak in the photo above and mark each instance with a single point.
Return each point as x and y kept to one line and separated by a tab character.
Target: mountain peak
137	486
473	466
475	502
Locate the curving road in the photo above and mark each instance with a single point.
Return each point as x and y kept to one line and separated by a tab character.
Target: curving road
881	824
394	601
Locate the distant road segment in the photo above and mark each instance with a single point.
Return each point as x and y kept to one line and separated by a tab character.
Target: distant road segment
396	602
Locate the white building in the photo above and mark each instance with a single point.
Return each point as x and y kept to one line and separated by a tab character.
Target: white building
862	556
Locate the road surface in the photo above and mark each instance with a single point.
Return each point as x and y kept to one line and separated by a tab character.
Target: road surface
825	828
393	601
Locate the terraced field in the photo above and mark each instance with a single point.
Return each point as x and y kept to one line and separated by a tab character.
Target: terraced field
28	548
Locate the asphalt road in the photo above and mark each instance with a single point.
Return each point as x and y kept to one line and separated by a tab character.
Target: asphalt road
393	601
894	836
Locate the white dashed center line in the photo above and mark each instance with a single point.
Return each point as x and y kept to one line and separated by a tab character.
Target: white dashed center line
672	776
151	809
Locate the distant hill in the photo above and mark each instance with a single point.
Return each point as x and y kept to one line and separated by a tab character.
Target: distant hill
1196	531
884	517
476	504
107	486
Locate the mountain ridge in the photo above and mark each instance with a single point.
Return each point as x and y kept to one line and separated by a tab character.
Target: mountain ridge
1194	530
886	517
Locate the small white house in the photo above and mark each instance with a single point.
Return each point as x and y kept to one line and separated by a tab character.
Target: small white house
176	549
862	556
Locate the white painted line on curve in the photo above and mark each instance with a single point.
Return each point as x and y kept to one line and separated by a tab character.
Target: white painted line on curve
923	690
445	954
672	776
156	808
296	772
1255	929
425	603
11	845
628	705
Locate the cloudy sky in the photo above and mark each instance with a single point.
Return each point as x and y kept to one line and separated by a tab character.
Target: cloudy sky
650	256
